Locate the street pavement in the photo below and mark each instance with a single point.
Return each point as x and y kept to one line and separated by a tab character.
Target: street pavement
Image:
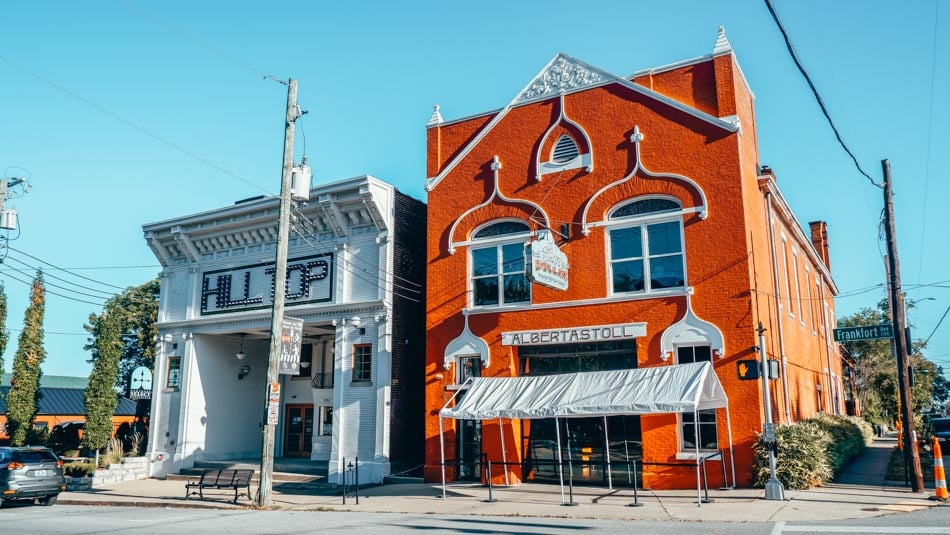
860	491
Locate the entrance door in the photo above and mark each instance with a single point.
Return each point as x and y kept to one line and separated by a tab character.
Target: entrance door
298	431
470	449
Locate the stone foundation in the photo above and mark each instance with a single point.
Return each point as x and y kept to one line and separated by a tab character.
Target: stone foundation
128	469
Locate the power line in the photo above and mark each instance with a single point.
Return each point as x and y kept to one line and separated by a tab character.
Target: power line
28	283
47	283
133	125
64	269
198	42
50	275
821	104
937	326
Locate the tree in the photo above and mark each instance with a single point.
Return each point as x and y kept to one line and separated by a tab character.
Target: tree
136	312
132	316
101	396
24	394
4	334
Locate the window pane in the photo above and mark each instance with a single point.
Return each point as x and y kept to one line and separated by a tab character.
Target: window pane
500	229
512	258
647	206
707	430
666	272
484	261
517	289
664	238
486	291
628	276
625	243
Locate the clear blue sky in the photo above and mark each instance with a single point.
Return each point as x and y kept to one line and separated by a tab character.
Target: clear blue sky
113	87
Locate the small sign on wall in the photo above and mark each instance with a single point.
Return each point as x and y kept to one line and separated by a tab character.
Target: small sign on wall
273	403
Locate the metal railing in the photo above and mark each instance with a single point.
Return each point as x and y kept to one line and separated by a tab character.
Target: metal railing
322	380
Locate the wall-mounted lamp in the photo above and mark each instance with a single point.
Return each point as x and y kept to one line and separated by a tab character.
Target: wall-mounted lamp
240	353
305	364
244	371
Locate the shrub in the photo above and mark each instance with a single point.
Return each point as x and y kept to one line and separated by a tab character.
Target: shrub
80	468
36	436
136	444
113	453
849	436
801	460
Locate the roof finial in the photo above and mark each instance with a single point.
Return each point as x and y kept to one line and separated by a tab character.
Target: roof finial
722	45
436	117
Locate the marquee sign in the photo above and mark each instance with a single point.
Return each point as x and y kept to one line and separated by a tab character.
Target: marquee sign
309	280
546	265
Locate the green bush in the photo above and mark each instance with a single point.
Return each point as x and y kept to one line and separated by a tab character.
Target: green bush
801	460
36	436
113	453
849	437
80	468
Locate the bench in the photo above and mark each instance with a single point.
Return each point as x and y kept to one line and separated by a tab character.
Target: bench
221	479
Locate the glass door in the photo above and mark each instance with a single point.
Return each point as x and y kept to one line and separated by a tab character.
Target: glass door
298	431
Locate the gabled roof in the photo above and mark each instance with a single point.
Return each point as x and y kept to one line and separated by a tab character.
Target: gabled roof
564	75
66	401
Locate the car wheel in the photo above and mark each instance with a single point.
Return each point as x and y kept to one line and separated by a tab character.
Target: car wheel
49	500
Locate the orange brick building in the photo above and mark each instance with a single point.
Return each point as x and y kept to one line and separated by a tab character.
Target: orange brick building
678	244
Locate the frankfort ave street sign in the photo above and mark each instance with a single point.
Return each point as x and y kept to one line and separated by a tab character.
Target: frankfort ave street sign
867	332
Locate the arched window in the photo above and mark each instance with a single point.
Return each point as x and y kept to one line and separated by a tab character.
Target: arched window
498	277
646	246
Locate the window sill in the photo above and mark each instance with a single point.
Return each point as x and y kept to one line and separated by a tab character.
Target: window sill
683	456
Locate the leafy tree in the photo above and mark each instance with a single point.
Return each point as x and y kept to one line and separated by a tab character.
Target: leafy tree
136	311
23	397
4	334
101	396
876	371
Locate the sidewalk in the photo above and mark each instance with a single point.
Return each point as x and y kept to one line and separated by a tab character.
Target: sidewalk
859	492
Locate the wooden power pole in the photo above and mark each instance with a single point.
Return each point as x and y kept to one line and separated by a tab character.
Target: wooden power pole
911	455
280	279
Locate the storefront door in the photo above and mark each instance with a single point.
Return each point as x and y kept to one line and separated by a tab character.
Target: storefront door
298	431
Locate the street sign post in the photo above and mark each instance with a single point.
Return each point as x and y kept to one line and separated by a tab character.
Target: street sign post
866	332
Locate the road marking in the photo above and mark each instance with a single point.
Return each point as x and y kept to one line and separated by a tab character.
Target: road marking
782	528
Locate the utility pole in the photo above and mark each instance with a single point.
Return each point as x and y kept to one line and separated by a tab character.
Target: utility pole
774	490
280	280
896	297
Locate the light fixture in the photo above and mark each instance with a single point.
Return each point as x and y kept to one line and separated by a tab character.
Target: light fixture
305	364
244	371
240	353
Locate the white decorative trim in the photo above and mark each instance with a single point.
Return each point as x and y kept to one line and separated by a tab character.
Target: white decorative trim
691	331
636	138
620	298
722	45
436	118
609	78
466	344
561	75
584	159
496	192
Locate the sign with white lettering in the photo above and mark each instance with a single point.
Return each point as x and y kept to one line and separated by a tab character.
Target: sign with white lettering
291	336
273	403
309	280
574	335
867	332
546	264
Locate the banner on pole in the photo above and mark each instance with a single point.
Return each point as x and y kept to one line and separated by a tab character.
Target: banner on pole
291	337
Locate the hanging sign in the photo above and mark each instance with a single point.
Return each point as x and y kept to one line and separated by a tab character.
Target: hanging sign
546	264
140	384
291	336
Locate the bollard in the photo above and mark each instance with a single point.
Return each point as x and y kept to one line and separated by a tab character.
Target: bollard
488	477
940	477
343	477
356	475
636	499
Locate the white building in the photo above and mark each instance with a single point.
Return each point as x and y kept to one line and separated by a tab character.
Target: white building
355	277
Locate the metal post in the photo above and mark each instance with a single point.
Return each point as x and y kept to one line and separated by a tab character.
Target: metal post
344	480
570	466
636	497
488	477
610	479
560	461
774	490
911	455
356	475
280	278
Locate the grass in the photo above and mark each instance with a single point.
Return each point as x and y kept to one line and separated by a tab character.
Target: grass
896	470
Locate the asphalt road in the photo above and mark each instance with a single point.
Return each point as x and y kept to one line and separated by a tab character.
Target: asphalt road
79	520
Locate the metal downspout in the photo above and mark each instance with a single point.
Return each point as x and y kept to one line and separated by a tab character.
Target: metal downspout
778	308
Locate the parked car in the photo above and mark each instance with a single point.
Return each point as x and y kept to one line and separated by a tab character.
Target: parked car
30	473
941	429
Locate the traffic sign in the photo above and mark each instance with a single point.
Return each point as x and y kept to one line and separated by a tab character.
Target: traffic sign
866	332
747	369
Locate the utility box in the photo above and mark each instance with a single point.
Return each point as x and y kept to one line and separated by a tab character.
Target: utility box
300	183
8	219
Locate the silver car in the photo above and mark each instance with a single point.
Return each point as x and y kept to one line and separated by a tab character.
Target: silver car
30	473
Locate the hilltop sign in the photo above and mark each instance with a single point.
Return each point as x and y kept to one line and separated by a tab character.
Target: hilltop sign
867	332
